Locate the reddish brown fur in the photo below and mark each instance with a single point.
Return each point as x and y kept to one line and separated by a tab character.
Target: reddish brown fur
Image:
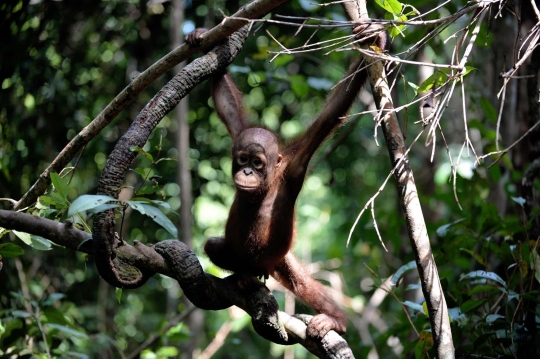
260	230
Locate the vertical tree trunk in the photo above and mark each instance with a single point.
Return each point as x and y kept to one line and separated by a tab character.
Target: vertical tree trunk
196	319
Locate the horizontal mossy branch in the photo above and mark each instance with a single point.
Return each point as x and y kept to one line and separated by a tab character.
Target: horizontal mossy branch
203	289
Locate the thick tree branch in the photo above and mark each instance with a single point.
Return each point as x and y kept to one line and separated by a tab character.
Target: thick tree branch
408	196
111	267
252	10
203	289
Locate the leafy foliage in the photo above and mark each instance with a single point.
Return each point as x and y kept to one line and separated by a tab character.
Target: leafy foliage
64	61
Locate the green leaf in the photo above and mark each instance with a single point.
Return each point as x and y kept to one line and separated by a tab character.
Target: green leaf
142	152
58	201
282	60
4	231
534	263
167	352
10	250
166	159
415	306
471	304
67	330
442	231
54	315
299	85
141	171
60	184
46	200
468	69
475	255
179	332
103	208
51	299
146	190
483	289
485	275
154	213
392	6
34	241
397	30
163	204
118	295
399	273
437	79
20	314
519	200
414	86
88	201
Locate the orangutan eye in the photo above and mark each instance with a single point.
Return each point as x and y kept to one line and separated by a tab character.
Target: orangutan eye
258	163
242	160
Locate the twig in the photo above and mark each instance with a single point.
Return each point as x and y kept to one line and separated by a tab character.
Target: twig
503	152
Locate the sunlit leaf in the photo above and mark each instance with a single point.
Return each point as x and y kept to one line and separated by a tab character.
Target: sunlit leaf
519	200
167	159
415	306
154	213
88	201
392	6
34	241
485	275
397	30
399	273
103	208
414	86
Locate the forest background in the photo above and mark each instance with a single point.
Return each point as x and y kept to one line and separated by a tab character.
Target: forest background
62	62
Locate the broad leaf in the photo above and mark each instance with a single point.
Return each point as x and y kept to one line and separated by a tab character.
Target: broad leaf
485	275
10	250
67	330
154	213
392	6
399	273
88	201
60	184
34	241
